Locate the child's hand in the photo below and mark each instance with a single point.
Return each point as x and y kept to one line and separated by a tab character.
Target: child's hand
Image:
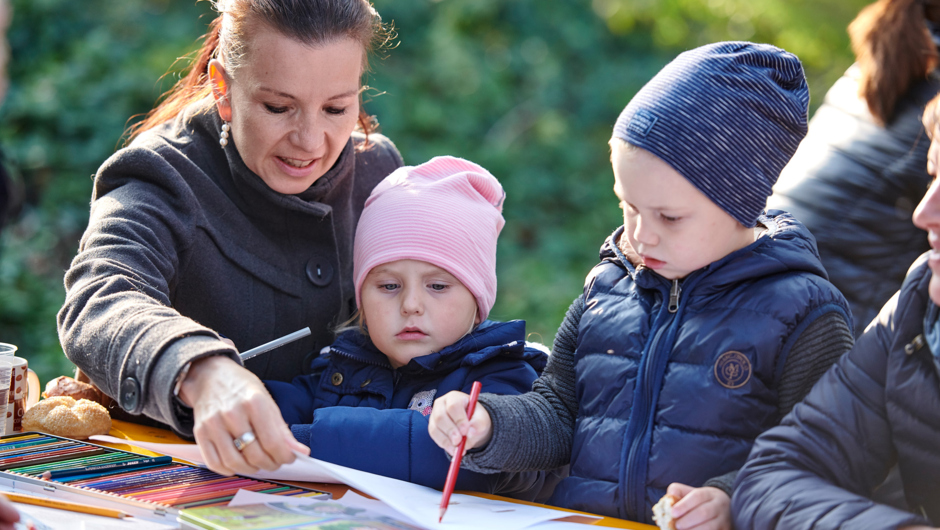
449	423
700	508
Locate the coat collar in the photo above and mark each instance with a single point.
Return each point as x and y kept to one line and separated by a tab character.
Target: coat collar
487	340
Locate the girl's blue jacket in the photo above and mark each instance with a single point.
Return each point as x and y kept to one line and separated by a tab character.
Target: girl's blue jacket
355	410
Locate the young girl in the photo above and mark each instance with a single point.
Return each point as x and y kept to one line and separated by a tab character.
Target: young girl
705	320
424	270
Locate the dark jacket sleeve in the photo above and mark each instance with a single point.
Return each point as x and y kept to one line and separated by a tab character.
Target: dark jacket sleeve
816	349
395	442
117	323
817	467
535	430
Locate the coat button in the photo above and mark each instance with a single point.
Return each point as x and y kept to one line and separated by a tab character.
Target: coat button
319	272
365	383
337	379
130	394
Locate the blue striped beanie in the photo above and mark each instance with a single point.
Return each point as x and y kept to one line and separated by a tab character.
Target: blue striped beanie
727	116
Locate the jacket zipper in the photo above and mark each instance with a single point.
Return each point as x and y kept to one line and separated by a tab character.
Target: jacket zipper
635	493
358	359
674	293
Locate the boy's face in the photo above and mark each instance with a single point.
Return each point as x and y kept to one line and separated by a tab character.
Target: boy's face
673	226
413	308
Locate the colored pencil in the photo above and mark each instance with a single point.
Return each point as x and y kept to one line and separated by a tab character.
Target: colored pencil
65	505
156	480
458	456
276	343
107	468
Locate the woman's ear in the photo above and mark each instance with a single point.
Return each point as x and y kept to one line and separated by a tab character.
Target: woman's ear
218	79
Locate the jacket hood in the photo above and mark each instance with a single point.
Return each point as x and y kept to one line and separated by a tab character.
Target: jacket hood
488	340
786	246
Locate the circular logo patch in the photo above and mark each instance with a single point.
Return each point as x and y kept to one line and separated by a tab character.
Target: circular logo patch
732	369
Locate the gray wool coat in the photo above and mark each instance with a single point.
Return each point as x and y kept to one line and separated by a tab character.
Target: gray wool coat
185	244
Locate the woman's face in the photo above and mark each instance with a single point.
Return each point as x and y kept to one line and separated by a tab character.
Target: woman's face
292	107
927	213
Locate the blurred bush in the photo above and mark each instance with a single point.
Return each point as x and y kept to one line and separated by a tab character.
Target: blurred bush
527	88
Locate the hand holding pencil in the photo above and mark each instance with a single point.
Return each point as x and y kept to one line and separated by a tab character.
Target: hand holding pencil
449	423
451	480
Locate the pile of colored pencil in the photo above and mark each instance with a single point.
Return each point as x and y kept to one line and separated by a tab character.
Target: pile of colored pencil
154	479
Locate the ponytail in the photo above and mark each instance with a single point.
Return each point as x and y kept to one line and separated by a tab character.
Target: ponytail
191	88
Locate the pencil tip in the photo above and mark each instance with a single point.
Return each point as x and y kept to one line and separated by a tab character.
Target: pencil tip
441	518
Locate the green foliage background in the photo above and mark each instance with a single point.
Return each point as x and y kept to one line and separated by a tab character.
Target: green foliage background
527	88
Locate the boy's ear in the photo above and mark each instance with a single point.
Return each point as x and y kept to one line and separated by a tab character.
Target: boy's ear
218	80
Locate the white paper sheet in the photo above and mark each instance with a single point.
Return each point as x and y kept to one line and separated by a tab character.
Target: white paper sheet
417	503
350	499
421	504
190	453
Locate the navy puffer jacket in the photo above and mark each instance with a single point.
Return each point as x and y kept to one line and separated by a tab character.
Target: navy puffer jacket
356	411
675	379
878	406
855	185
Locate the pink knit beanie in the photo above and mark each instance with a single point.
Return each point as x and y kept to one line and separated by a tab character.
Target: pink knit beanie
447	212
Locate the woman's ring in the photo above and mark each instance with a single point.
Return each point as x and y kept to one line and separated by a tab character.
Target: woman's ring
244	440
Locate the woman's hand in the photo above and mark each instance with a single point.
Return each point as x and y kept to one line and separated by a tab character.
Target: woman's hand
229	401
700	508
449	423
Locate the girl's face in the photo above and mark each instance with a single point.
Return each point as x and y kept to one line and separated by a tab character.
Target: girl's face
292	107
413	308
927	214
673	226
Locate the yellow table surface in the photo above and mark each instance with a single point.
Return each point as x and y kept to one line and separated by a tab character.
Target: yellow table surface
142	433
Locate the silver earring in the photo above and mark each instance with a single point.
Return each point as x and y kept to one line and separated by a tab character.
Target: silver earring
223	137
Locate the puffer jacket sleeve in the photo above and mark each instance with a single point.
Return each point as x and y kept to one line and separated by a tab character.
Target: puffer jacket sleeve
117	323
395	442
815	469
296	399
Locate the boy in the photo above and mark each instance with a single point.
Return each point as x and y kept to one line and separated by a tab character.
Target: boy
705	321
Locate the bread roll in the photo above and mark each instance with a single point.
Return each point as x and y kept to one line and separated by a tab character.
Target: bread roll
66	386
63	416
662	513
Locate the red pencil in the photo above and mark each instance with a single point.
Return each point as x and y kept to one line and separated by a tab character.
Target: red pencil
458	456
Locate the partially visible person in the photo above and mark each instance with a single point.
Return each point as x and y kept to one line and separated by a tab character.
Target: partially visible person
855	179
231	213
877	408
425	277
8	514
706	319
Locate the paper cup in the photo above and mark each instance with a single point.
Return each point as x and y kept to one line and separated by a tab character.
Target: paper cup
6	373
18	393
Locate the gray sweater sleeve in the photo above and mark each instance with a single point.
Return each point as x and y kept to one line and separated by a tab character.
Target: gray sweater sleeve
818	348
534	430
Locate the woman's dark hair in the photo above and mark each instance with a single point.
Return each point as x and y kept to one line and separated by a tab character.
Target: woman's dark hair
311	22
893	48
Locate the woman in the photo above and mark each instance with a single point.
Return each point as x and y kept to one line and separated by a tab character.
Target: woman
857	176
878	406
231	214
